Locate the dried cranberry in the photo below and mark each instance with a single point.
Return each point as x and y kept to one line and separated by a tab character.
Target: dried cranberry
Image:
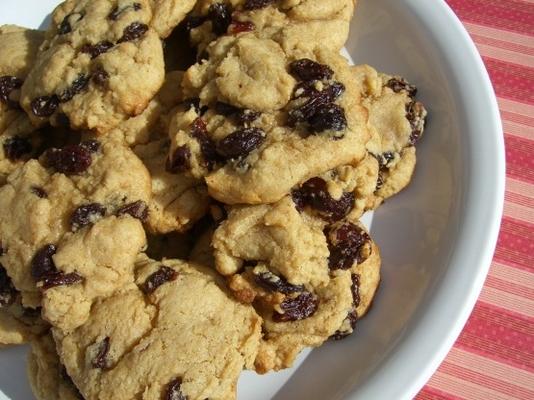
345	244
158	278
45	106
70	160
180	161
116	12
94	50
241	26
301	307
8	293
309	70
86	215
399	84
76	87
328	117
133	31
100	77
416	114
240	143
207	147
92	145
314	193
257	4
65	26
42	263
17	147
61	279
39	192
221	17
137	209
100	361
174	391
275	283
7	85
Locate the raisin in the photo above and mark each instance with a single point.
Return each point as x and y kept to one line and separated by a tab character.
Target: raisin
399	84
70	160
45	106
61	279
65	26
8	293
193	102
100	361
116	12
158	278
100	77
76	87
240	143
314	193
317	99
347	327
192	22
92	145
355	289
207	147
345	244
86	215
137	209
241	26
384	159
301	307
247	116
274	283
173	391
416	114
380	181
221	17
39	192
257	4
7	85
328	117
226	109
309	70
17	147
42	263
94	50
180	161
133	31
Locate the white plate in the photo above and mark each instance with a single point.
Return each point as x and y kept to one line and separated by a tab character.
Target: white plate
437	237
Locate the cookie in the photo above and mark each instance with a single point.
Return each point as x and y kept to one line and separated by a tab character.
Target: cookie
18	139
293	24
100	64
175	334
62	195
47	376
169	13
263	127
397	121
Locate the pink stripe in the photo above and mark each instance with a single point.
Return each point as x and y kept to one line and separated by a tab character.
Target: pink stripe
520	163
502	43
431	393
527	120
518	290
514	246
490	32
511	81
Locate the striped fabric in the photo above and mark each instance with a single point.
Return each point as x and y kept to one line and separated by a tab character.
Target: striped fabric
494	357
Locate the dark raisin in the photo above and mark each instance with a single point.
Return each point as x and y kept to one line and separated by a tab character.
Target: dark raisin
100	361
240	143
45	106
92	145
42	263
86	215
345	244
328	117
309	70
317	100
275	283
158	278
173	391
65	26
247	116
221	17
76	87
39	192
207	147
133	31
416	114
94	50
17	147
257	4
70	160
314	193
8	293
61	279
194	103
137	209
399	84
241	26
7	85
301	307
31	312
355	289
180	161
116	12
348	326
226	109
192	22
384	159
100	77
380	181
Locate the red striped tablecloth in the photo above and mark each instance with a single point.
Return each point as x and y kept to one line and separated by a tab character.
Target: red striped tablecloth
494	357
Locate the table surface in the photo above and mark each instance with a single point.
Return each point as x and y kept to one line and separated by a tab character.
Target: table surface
493	358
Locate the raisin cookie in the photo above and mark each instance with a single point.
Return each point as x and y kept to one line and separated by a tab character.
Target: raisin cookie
61	195
18	140
175	334
397	122
266	121
100	64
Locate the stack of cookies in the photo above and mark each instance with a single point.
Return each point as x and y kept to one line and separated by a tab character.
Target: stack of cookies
181	184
